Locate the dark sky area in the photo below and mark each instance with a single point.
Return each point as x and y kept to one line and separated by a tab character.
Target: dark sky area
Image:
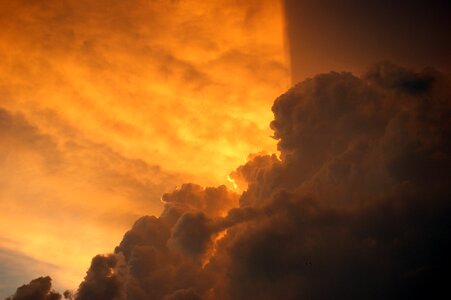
351	34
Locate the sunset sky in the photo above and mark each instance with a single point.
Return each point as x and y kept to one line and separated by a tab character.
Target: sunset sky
107	105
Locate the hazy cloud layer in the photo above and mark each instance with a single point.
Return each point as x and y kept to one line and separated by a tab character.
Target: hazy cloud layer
149	78
45	177
105	105
357	207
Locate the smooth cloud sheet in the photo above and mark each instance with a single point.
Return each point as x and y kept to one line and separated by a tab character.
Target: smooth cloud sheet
357	206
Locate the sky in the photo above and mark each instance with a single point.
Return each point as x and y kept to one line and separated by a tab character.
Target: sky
113	112
105	105
350	35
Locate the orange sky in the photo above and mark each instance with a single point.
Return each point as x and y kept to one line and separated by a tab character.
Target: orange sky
104	105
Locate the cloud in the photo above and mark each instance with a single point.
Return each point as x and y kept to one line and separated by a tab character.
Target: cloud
38	289
183	294
101	281
361	192
356	207
97	96
191	234
127	74
16	267
47	179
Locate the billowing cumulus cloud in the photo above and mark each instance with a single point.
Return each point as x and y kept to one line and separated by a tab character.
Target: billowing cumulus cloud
356	206
37	289
101	281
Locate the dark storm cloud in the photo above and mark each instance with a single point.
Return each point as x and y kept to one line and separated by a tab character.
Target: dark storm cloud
184	294
191	234
362	191
357	206
102	282
391	76
37	289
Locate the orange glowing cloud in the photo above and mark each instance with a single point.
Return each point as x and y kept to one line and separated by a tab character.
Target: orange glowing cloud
105	105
